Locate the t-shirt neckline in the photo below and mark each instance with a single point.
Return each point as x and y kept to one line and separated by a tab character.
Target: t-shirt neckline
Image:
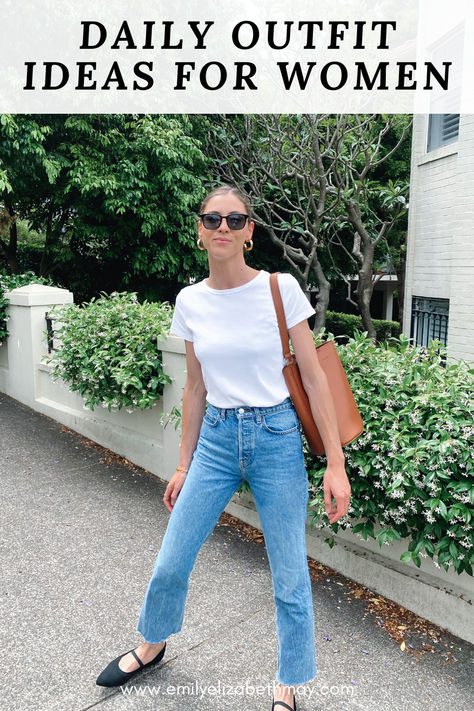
235	288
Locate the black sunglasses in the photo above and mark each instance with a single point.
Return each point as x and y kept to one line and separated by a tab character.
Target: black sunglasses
235	221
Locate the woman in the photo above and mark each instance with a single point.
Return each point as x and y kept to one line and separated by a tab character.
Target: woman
248	430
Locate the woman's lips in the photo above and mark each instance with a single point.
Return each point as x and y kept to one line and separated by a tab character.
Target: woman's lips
221	239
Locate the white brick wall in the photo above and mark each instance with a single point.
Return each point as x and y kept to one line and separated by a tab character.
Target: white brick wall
440	258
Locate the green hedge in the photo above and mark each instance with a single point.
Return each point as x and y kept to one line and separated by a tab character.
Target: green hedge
108	351
411	471
346	325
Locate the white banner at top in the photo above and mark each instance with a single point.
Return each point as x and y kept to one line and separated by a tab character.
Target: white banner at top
293	56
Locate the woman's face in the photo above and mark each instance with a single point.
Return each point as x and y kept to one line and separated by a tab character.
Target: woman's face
223	242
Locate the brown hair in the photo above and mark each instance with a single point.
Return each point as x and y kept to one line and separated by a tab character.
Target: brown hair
223	190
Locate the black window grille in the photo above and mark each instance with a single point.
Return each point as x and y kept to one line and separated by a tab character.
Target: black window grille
50	332
429	320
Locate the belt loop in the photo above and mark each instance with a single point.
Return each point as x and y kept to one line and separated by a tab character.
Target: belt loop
259	415
222	413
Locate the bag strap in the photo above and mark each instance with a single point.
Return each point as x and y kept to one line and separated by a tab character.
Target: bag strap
276	295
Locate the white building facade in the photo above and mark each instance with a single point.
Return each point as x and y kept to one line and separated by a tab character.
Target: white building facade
439	296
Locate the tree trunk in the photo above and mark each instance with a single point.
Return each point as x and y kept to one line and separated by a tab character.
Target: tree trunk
364	296
323	296
365	257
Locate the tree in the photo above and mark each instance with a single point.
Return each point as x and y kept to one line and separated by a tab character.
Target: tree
120	197
371	208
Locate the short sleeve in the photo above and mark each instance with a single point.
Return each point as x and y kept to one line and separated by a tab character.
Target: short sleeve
178	324
295	303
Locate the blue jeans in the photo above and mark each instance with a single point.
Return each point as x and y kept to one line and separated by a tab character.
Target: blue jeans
262	445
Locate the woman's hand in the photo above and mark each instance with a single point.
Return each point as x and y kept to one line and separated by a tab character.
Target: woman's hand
336	484
172	490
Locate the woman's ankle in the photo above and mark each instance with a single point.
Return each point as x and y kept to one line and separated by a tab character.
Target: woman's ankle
154	645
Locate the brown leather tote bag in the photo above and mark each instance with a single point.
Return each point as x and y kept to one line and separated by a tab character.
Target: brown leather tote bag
349	421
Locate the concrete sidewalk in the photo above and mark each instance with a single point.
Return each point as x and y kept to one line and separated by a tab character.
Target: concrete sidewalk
80	533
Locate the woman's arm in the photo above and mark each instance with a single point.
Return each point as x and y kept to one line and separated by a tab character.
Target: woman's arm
316	386
192	412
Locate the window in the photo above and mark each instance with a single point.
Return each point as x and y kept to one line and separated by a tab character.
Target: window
429	320
442	129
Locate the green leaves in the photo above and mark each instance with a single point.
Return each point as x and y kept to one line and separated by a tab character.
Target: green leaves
108	350
410	556
411	470
105	187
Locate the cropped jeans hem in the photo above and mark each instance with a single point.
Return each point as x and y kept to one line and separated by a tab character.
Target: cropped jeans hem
296	683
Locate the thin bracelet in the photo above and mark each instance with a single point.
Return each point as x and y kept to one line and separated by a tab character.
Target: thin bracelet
181	469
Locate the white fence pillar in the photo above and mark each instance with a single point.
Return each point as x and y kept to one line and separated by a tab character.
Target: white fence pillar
26	343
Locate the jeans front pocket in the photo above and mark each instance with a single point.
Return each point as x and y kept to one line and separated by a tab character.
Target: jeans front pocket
211	418
282	422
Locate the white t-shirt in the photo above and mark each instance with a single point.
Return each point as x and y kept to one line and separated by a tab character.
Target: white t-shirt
236	338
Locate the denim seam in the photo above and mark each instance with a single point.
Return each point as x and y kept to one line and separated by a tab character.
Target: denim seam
282	432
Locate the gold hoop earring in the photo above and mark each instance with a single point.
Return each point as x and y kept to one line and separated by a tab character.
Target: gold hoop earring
247	249
199	246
